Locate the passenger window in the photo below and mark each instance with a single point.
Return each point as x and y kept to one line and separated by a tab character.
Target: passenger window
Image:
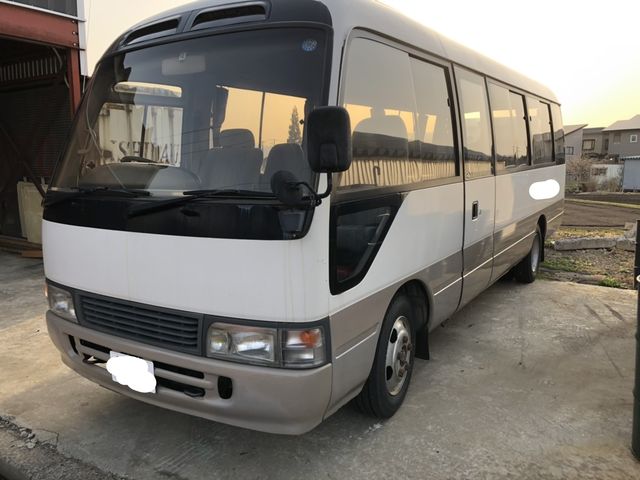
558	134
380	100
510	128
432	152
476	125
541	135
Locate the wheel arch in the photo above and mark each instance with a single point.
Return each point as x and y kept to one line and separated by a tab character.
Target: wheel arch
417	293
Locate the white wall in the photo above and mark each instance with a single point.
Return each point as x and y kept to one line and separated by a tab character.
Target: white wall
108	19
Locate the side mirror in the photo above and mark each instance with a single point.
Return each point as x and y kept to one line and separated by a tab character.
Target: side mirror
329	147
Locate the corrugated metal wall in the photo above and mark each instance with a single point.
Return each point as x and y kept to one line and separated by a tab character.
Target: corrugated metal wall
35	118
631	179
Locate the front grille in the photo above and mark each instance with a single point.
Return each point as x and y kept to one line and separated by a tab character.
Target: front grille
160	327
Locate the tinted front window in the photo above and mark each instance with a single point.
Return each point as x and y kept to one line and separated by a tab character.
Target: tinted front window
401	119
221	112
510	128
380	100
476	124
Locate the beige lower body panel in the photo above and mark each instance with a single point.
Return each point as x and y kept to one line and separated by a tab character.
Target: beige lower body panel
272	400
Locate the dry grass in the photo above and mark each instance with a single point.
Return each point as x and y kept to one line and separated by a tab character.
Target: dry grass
608	268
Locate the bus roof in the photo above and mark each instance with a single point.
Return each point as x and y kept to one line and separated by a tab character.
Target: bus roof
374	16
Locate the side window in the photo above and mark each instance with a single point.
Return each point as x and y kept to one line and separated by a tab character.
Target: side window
558	134
476	125
541	135
510	128
379	97
432	152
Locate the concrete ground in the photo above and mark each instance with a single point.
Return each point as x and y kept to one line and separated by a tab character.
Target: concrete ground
527	382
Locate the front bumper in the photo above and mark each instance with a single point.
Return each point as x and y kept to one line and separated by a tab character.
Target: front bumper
271	400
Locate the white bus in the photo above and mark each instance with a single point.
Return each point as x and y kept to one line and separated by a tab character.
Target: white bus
266	206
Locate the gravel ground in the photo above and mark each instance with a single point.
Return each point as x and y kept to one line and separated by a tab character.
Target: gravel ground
583	215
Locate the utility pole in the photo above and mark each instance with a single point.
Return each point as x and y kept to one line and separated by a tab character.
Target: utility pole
635	441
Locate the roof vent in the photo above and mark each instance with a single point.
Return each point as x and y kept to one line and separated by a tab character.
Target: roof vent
252	12
160	29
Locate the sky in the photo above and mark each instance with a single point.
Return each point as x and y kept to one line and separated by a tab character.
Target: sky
588	53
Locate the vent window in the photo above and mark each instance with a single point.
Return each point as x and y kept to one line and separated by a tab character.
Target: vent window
153	31
245	13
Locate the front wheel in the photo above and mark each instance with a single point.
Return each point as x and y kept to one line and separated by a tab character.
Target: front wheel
386	387
527	270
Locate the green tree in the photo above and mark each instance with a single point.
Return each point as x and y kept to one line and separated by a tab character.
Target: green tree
295	135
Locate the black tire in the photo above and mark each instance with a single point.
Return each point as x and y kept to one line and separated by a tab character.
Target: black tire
527	270
378	398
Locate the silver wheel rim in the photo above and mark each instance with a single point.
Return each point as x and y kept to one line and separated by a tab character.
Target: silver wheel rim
535	254
398	359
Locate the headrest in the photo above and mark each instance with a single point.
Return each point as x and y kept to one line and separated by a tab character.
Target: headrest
288	157
381	136
287	151
390	125
237	138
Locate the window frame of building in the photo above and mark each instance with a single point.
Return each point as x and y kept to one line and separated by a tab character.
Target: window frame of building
569	150
588	141
70	7
633	138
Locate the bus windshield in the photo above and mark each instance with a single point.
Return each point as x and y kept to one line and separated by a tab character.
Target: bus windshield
218	112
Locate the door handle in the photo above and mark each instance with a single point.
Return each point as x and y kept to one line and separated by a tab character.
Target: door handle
475	211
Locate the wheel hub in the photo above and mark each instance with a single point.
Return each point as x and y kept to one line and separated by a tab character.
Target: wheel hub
398	358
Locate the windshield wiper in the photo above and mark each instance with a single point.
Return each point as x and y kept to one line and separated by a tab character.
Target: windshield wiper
195	195
81	192
136	159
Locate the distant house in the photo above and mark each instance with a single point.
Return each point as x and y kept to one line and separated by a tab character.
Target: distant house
573	141
624	138
594	143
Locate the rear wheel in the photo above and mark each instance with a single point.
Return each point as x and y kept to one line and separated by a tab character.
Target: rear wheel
527	270
387	385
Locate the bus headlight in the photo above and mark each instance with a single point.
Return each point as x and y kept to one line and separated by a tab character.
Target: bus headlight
246	344
289	348
61	303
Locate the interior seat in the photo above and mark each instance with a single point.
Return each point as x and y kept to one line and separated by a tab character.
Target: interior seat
288	157
235	164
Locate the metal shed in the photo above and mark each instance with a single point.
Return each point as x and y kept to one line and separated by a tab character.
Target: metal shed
631	176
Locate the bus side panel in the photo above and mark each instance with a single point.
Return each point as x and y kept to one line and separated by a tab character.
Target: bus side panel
517	213
423	243
478	237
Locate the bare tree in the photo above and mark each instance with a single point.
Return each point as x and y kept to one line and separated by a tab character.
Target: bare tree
579	169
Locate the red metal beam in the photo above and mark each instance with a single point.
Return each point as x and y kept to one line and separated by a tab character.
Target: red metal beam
36	26
73	77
